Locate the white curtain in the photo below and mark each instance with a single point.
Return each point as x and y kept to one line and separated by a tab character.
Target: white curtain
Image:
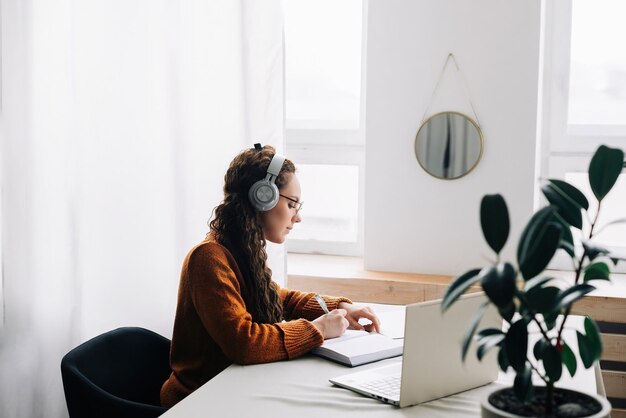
118	120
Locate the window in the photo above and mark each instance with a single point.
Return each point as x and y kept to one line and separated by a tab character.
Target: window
2	318
324	79
340	225
584	100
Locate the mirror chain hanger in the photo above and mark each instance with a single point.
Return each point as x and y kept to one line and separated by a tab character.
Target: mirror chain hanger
456	64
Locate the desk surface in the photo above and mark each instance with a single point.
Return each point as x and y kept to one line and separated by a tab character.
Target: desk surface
300	388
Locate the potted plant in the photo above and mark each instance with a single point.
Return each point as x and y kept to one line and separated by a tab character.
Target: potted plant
527	297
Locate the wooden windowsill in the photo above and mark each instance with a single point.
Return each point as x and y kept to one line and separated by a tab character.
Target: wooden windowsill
346	276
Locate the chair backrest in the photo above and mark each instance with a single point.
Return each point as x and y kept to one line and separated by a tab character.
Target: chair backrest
117	374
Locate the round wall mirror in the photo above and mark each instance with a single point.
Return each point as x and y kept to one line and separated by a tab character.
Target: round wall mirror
448	145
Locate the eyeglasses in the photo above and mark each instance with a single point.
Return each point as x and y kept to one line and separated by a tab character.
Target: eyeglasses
298	205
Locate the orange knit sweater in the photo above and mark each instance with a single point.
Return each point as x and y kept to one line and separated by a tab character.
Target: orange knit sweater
213	327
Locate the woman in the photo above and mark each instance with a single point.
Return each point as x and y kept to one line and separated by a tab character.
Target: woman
229	309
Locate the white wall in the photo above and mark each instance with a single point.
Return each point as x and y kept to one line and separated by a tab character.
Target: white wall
414	222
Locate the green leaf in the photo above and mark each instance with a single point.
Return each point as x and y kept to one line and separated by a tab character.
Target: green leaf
522	385
567	239
487	343
572	294
570	211
498	282
458	286
525	312
569	359
615	259
571	192
550	319
543	299
494	219
539	241
533	229
538	348
507	312
604	169
503	362
489	331
469	334
569	248
552	363
585	350
593	250
545	248
589	344
593	337
597	271
516	344
536	282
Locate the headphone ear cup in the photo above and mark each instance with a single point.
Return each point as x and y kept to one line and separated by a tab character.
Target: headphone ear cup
263	195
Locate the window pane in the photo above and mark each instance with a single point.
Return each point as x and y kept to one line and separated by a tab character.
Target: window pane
612	209
598	63
323	63
330	195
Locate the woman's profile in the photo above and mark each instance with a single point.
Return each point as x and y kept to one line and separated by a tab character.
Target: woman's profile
229	310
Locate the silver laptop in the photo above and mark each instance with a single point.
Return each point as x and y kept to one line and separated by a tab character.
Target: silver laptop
431	367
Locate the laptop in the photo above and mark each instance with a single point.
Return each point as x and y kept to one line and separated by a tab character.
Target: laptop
431	366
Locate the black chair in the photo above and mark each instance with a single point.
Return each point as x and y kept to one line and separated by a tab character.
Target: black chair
117	374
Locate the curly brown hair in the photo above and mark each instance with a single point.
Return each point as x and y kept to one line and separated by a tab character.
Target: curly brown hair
236	225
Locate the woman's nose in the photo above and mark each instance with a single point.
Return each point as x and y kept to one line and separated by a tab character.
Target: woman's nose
298	217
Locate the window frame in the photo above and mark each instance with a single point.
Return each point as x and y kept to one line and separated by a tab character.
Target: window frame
333	147
331	155
566	148
566	139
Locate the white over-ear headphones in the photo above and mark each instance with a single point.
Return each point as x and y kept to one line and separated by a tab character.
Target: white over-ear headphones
264	193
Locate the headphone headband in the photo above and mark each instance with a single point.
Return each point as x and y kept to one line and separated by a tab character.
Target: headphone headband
275	165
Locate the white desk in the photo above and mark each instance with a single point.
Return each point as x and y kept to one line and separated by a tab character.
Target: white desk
300	388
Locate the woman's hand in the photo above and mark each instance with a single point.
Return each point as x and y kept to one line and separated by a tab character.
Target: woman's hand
332	324
354	313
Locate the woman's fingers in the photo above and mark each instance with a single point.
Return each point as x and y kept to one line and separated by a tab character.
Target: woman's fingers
341	312
367	313
340	319
354	323
369	327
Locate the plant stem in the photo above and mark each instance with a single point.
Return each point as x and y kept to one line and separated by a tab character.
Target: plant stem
593	224
550	400
569	308
578	271
544	333
523	300
532	366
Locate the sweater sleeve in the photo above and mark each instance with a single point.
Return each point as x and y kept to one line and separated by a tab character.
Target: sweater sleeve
216	295
298	304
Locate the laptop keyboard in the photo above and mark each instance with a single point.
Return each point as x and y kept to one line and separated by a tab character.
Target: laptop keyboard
388	386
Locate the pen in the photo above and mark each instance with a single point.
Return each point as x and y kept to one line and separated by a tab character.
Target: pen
321	302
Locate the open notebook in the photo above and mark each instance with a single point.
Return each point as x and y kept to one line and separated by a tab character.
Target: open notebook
359	347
